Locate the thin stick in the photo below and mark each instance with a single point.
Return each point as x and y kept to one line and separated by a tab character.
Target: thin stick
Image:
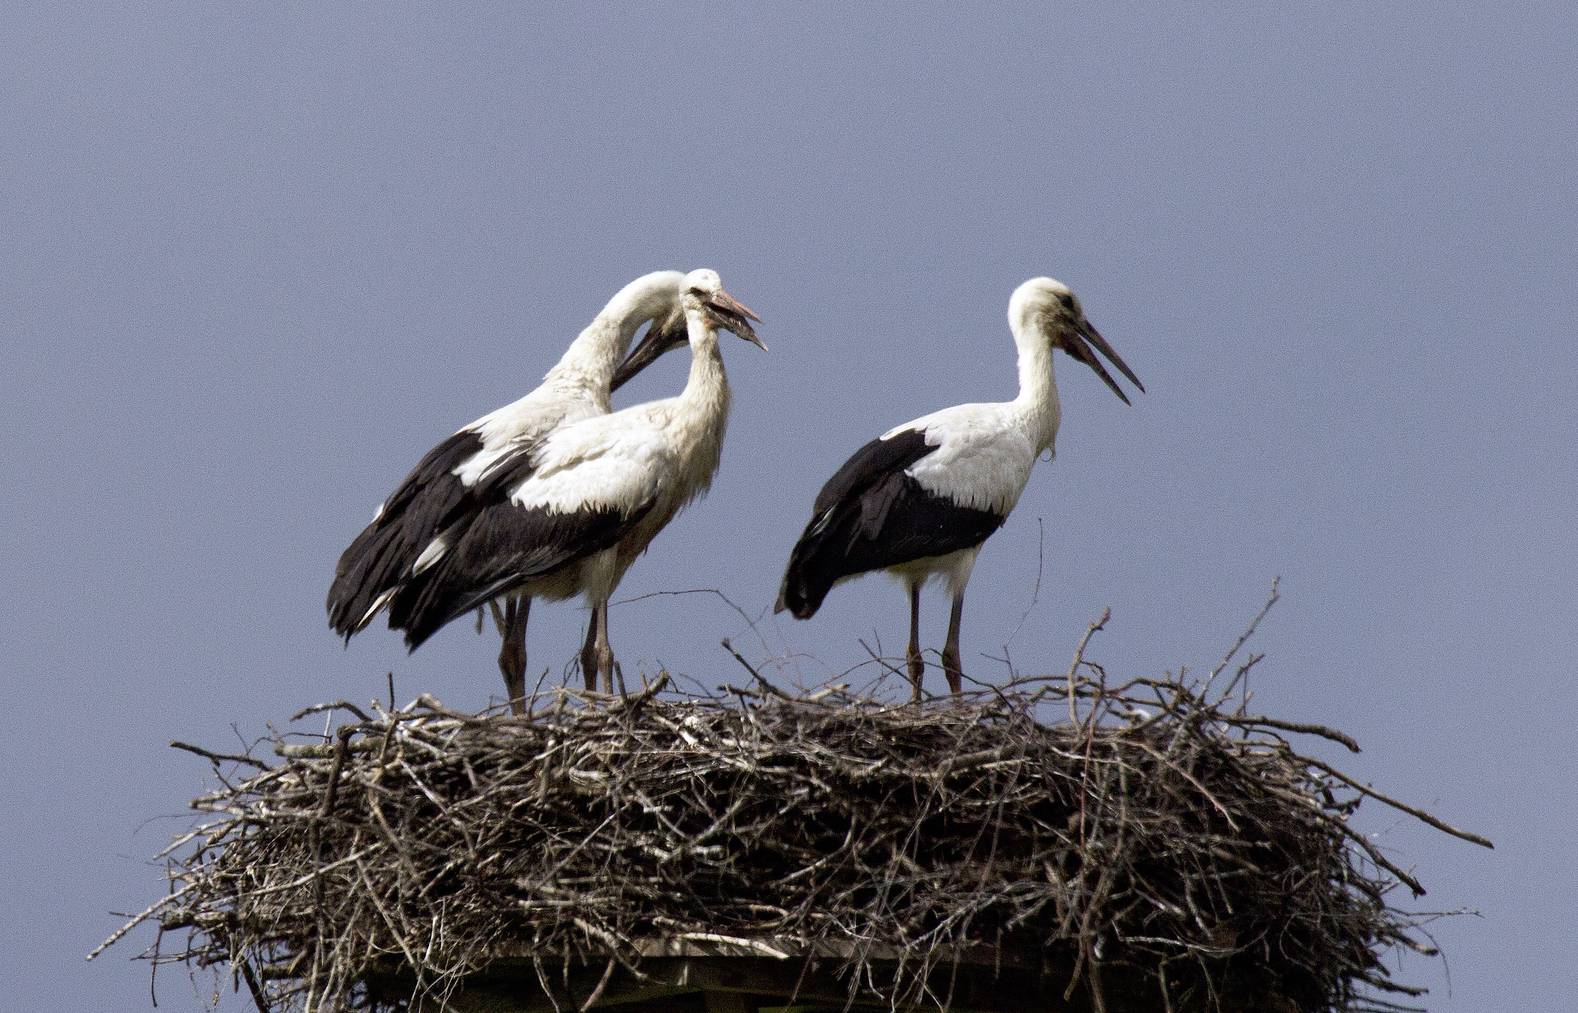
1079	660
219	757
1243	638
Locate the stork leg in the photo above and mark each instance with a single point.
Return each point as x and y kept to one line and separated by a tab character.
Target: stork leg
589	653
512	655
917	665
950	652
605	653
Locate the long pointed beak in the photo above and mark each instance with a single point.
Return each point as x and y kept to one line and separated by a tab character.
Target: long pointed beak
662	336
735	316
1075	344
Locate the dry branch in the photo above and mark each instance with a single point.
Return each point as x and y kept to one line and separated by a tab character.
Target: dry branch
1153	836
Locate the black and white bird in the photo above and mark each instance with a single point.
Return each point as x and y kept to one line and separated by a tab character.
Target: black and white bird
449	484
568	513
919	500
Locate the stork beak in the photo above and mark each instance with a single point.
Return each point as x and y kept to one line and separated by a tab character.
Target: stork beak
733	315
661	337
665	335
1075	344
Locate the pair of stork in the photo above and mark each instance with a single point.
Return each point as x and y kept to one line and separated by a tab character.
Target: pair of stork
556	495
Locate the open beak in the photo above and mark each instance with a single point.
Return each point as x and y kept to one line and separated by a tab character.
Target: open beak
733	315
661	337
1078	343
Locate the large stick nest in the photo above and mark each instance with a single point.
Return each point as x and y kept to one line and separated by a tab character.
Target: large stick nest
1154	833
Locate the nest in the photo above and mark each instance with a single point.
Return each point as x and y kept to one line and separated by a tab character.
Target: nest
1155	840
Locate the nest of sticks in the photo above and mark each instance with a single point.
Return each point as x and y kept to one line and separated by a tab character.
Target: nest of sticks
1151	832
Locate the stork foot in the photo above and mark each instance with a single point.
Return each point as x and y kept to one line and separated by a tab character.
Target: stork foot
952	669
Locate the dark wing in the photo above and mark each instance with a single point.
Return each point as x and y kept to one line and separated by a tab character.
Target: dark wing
499	548
381	556
871	515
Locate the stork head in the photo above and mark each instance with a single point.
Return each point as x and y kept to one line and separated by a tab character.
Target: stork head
700	291
1047	308
703	290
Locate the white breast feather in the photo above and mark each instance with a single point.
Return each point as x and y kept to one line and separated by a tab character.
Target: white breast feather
983	457
611	461
523	424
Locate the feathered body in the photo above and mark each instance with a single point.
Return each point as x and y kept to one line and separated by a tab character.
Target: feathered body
552	496
919	501
461	474
572	513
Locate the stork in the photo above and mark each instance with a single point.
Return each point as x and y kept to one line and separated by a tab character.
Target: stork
568	514
919	501
444	484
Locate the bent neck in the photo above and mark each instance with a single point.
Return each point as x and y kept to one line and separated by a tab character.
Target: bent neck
596	352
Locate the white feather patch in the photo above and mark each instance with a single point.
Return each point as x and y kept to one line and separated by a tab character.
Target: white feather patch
378	603
611	461
432	554
983	456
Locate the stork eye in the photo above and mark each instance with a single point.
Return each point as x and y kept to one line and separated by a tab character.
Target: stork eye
1067	300
697	290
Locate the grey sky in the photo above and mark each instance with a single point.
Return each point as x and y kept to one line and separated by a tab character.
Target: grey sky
255	262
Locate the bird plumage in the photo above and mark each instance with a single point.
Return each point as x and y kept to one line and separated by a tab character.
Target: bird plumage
554	511
921	499
451	500
874	513
443	487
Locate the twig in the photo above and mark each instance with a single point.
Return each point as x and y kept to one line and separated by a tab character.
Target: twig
430	843
341	747
1035	592
1243	638
1079	660
140	917
1414	811
220	757
760	679
258	998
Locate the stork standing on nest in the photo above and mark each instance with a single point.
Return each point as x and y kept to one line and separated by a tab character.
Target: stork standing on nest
920	500
570	513
444	487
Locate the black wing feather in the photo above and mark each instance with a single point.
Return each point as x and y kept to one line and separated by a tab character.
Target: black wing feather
871	515
500	548
423	505
869	464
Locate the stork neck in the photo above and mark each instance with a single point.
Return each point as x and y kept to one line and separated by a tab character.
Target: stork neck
707	385
596	352
702	412
1037	403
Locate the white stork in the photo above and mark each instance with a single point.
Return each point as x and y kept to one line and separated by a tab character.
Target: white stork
919	500
569	513
443	486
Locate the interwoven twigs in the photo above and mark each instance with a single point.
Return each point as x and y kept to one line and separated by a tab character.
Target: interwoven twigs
1151	833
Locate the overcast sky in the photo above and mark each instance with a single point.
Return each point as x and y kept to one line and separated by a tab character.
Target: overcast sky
255	261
